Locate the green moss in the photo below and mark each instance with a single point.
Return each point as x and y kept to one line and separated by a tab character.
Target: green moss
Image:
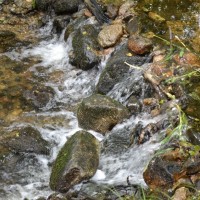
79	153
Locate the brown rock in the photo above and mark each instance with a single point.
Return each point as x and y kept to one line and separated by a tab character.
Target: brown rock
110	34
139	44
187	58
181	194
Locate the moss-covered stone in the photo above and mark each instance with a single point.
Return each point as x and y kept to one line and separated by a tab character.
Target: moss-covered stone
100	113
26	140
85	47
77	161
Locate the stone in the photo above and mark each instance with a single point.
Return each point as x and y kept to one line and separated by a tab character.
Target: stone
157	175
181	194
110	34
77	161
116	69
85	48
100	113
66	6
40	97
139	45
42	4
26	140
60	23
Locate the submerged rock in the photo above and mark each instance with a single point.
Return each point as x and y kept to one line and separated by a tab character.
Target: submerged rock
40	97
85	47
100	113
27	140
77	161
7	39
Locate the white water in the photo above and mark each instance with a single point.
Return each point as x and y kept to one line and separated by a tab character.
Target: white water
76	84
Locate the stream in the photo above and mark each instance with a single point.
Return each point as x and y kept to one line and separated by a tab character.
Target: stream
71	88
57	120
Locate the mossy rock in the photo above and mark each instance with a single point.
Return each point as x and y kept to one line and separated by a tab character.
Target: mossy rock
100	113
77	161
116	69
85	47
42	4
25	140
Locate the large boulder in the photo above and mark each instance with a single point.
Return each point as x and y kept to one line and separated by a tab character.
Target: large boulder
100	113
116	69
85	47
24	140
77	161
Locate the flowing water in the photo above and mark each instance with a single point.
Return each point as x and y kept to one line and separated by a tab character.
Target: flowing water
74	85
57	122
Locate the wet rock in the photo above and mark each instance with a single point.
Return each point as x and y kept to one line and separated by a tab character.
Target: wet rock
43	4
96	9
181	193
110	34
56	196
100	113
157	174
77	161
133	25
134	105
116	69
72	26
40	97
26	140
193	135
60	23
139	44
66	6
142	134
85	47
7	39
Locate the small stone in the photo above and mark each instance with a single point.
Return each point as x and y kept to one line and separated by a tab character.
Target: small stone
181	194
109	35
139	44
155	17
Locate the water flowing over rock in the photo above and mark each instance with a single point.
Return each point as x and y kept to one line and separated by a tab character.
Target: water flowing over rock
27	140
77	161
85	47
100	113
116	69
